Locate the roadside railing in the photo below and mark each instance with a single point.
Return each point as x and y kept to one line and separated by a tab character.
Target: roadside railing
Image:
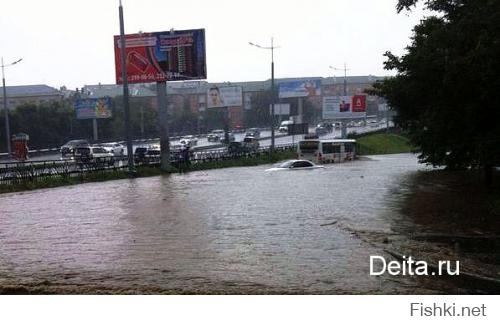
20	172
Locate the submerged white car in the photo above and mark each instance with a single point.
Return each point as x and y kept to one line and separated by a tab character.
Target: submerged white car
295	165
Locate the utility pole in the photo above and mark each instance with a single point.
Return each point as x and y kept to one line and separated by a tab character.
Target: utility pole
142	121
161	93
273	95
126	107
94	127
5	108
343	128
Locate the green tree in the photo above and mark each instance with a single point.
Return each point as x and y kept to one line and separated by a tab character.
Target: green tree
445	90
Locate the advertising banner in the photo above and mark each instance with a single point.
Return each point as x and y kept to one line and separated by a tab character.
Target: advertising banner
344	107
359	103
280	109
224	96
91	108
302	88
162	56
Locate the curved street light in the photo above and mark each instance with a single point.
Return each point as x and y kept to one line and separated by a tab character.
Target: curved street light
6	110
345	76
272	47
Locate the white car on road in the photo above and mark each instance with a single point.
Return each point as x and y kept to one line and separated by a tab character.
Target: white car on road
113	147
93	154
189	141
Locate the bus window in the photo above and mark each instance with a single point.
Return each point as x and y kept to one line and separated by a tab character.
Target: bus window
330	147
308	146
348	147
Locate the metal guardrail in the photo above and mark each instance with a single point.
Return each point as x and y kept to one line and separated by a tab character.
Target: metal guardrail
20	172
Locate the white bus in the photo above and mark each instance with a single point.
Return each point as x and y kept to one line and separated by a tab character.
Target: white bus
327	151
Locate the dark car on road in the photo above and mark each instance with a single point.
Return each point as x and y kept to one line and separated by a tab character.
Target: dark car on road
253	132
212	137
324	128
230	137
147	155
139	154
68	149
235	148
251	144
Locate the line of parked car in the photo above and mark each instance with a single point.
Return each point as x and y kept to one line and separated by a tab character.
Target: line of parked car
82	150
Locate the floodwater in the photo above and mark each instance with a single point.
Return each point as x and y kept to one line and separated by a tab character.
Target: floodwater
235	230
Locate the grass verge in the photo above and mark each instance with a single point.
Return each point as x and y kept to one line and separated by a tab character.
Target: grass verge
383	143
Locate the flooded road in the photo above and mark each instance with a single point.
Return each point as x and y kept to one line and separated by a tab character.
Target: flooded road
235	230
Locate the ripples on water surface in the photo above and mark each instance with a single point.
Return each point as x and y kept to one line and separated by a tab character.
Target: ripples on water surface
239	228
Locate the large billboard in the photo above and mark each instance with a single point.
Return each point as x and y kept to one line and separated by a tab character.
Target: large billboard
162	56
224	96
302	88
341	107
90	108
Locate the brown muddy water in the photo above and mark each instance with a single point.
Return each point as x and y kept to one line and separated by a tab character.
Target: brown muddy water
235	230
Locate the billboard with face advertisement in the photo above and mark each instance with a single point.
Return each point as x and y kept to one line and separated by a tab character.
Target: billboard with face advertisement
224	96
162	56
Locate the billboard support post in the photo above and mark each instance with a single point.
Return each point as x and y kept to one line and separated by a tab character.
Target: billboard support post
300	110
94	126
344	126
126	107
343	130
161	93
142	121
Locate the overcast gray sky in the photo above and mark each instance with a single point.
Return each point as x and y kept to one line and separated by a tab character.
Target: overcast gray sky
71	42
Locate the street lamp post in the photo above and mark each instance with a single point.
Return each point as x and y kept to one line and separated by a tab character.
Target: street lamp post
6	110
126	105
343	128
273	96
345	77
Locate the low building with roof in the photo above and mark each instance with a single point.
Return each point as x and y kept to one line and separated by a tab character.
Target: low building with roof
29	94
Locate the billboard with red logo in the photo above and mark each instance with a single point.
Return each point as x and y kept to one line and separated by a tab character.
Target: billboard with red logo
162	56
344	107
359	103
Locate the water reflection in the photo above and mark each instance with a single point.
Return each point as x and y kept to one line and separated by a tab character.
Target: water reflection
236	230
